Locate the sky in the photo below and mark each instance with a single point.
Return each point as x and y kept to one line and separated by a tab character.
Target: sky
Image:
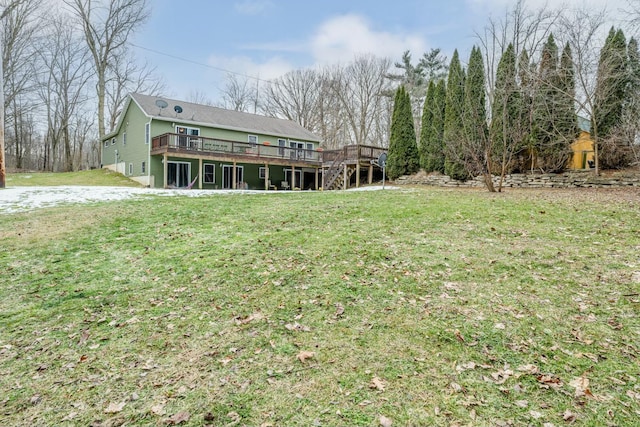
193	43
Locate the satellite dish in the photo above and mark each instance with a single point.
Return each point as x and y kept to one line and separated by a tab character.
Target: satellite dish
161	103
177	109
382	160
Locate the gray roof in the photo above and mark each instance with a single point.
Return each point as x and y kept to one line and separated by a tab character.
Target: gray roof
204	115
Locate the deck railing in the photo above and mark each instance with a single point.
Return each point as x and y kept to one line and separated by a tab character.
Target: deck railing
204	145
199	144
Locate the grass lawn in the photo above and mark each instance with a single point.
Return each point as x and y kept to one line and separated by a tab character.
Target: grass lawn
409	307
99	177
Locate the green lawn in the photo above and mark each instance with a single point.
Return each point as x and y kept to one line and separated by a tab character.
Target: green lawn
414	306
99	177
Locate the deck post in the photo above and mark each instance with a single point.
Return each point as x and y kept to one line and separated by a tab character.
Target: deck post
358	174
293	177
317	178
370	177
200	173
266	176
234	184
165	166
344	180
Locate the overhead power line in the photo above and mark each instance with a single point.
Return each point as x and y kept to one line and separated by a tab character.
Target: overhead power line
191	61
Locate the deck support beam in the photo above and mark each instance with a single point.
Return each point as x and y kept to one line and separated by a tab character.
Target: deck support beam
165	166
358	173
234	177
317	179
200	173
344	178
266	176
293	177
370	177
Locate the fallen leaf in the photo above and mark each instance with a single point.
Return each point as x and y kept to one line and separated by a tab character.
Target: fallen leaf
569	416
179	418
499	326
547	381
70	416
377	383
385	422
114	408
633	394
529	369
581	384
84	337
466	366
459	335
535	415
249	319
304	355
297	327
456	387
158	410
339	310
235	418
522	403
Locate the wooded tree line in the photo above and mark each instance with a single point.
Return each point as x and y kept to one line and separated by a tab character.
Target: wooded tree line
67	71
524	116
511	106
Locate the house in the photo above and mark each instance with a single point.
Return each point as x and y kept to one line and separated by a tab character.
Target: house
582	149
167	143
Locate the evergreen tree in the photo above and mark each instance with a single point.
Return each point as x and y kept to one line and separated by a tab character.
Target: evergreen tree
611	87
631	113
506	113
611	84
426	127
454	166
550	146
436	142
476	144
566	117
403	158
527	83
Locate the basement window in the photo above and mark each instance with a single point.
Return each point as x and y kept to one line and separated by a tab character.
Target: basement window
209	176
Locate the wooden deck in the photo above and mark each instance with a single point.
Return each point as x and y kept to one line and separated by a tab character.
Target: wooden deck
333	164
197	147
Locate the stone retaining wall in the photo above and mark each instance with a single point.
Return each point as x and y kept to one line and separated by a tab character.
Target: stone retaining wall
563	180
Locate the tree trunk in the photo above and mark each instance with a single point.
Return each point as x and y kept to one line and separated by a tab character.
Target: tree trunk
488	181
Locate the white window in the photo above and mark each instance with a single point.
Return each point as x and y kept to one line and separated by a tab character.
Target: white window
113	141
147	133
309	146
187	137
144	167
253	139
124	138
106	142
209	173
281	143
130	168
262	172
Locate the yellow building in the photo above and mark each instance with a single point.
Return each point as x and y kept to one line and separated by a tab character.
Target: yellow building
582	149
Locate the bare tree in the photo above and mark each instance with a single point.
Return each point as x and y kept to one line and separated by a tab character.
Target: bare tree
199	97
128	76
361	88
240	93
295	96
8	8
107	25
65	86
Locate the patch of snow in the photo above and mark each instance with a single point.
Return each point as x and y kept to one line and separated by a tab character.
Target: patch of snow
24	199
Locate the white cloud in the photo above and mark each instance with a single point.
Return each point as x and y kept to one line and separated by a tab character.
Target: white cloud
253	7
341	38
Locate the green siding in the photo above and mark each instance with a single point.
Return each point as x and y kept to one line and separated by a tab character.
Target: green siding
136	150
